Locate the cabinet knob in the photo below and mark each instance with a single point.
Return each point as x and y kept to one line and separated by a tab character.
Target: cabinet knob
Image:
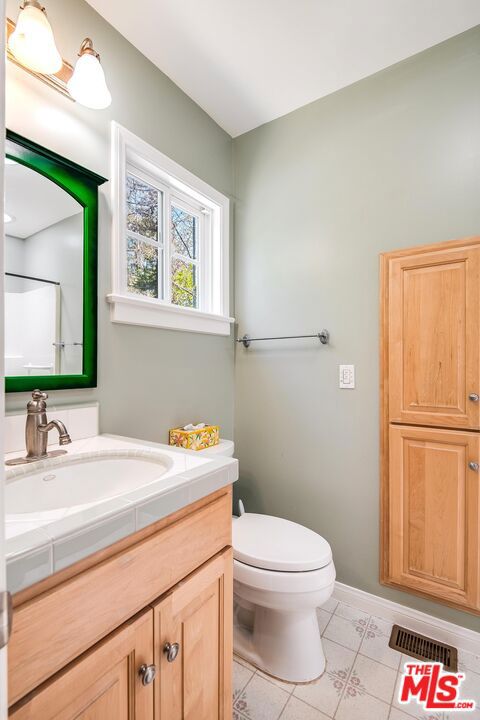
147	673
474	397
171	651
474	466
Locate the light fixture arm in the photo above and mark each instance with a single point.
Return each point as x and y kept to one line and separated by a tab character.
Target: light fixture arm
86	48
33	3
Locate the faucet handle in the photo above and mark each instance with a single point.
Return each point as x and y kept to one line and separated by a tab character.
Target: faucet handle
39	395
38	402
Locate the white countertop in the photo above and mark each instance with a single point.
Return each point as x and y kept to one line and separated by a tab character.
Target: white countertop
41	542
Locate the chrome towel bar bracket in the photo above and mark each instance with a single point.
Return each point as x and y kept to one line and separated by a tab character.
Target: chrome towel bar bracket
323	336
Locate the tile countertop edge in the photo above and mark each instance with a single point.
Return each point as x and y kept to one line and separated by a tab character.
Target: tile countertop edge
104	527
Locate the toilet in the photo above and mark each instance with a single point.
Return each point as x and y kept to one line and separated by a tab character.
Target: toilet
282	572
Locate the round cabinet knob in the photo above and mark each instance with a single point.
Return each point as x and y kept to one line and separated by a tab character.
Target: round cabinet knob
171	651
147	673
474	466
474	397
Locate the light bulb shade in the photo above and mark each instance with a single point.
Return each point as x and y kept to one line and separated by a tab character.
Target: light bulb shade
32	42
87	84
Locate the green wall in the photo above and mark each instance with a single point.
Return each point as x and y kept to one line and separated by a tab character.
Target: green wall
389	162
149	379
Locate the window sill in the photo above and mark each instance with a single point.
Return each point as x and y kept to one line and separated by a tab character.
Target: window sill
132	310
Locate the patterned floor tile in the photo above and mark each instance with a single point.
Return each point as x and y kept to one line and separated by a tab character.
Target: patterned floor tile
360	682
237	716
330	605
396	714
469	661
470	690
325	693
351	613
286	686
356	706
373	678
261	700
241	676
345	632
296	709
240	660
323	619
414	710
375	643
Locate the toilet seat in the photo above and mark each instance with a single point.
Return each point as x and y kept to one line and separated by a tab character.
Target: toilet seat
274	544
275	581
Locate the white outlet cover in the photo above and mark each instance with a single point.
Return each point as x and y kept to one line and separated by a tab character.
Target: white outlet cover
346	377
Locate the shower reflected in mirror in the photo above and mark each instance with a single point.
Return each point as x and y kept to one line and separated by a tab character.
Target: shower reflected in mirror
44	275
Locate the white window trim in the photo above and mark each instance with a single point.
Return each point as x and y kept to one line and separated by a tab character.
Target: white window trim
130	150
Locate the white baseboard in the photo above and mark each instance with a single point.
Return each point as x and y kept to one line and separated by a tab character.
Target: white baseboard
420	622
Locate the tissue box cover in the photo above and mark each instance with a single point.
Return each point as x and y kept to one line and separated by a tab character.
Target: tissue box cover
195	439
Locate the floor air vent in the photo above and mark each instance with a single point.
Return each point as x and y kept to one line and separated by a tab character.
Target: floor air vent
423	648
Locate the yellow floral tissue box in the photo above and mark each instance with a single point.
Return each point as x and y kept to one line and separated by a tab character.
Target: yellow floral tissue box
196	439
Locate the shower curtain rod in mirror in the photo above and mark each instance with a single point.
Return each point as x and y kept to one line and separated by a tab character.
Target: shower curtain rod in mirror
29	277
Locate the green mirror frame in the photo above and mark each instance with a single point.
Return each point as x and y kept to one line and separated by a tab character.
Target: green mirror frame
82	185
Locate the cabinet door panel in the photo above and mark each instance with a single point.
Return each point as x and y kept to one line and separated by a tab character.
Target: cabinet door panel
433	338
103	684
434	511
197	615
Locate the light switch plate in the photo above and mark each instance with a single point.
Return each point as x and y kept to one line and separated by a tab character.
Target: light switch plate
346	377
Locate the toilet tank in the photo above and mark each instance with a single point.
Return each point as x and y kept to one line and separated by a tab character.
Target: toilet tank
224	448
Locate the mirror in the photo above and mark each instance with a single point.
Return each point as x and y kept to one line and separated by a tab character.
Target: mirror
50	216
43	275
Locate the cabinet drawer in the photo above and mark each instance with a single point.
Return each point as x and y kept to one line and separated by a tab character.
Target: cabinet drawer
57	626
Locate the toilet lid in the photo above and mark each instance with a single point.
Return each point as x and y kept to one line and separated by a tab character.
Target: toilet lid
274	543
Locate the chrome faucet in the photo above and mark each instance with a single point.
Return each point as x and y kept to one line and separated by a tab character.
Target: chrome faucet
37	428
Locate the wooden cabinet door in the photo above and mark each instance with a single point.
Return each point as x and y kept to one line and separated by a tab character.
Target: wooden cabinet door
196	614
433	337
434	513
103	684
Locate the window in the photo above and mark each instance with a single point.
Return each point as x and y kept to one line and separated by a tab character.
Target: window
170	242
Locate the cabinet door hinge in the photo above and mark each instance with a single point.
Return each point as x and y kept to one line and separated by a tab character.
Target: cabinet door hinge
6	615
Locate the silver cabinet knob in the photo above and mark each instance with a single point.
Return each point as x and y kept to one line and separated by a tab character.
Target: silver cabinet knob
474	466
147	673
474	397
171	651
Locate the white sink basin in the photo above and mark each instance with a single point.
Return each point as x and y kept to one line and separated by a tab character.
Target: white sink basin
66	485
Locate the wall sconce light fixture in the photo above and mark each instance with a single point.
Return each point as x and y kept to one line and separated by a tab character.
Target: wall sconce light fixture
32	42
87	84
31	45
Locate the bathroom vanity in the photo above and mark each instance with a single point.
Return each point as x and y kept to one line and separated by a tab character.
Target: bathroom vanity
141	628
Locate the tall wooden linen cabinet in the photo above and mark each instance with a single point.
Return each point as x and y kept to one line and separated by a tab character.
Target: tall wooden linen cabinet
430	421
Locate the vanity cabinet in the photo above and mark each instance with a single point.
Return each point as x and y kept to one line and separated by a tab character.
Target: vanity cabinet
430	422
141	631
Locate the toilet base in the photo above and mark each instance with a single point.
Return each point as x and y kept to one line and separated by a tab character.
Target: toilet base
286	645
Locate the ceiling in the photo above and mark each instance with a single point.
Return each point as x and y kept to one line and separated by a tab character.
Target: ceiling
246	62
34	202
